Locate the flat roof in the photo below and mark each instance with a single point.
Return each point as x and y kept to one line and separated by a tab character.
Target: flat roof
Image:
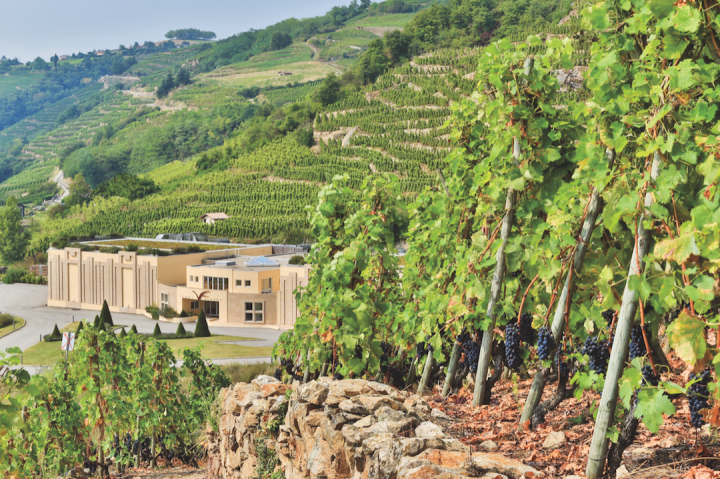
281	259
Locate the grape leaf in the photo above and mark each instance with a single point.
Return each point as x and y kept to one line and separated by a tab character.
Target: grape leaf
677	249
686	338
629	382
652	404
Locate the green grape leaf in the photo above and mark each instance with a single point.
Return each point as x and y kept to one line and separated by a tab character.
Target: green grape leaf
629	382
652	404
686	19
661	8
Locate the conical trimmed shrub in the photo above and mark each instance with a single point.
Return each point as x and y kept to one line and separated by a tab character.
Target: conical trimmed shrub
79	328
101	326
157	332
105	314
133	329
180	331
56	335
96	322
201	329
122	332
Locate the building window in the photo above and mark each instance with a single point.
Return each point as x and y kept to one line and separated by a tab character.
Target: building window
191	279
248	283
164	300
266	285
210	282
254	312
238	282
194	304
212	308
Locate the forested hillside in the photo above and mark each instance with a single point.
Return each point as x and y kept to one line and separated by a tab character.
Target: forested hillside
365	90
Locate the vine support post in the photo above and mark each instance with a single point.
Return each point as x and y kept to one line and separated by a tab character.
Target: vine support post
452	368
152	450
429	363
137	424
324	369
412	373
626	316
306	376
498	276
595	206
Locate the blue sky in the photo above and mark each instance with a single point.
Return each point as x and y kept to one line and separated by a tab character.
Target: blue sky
44	27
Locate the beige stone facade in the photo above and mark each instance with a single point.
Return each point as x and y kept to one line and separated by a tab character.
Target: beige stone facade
218	282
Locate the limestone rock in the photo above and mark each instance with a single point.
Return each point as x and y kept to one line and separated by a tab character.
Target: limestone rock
273	389
313	392
670	441
555	439
392	427
493	462
386	413
440	416
489	446
263	380
314	418
429	430
367	421
353	407
621	471
373	403
412	446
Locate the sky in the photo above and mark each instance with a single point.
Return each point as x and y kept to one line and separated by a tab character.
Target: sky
42	28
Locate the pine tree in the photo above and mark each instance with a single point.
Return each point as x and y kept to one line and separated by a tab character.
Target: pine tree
105	314
157	331
180	331
122	332
133	329
201	329
183	77
96	322
166	86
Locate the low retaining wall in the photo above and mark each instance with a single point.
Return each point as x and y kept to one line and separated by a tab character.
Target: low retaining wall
343	429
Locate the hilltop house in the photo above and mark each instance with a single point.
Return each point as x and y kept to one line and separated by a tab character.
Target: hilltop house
211	218
240	285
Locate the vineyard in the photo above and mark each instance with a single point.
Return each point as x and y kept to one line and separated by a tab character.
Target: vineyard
573	240
117	400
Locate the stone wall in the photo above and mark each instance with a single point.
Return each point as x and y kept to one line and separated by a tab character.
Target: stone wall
345	429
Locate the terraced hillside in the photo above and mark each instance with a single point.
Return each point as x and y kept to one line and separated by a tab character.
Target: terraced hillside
393	127
17	80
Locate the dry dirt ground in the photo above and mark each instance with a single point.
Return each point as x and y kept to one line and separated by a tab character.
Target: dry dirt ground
678	450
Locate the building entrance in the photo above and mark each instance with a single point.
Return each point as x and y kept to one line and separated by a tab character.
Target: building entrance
211	308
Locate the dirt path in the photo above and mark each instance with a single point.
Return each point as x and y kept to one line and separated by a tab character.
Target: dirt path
317	55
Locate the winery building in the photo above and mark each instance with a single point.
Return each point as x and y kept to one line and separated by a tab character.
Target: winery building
250	285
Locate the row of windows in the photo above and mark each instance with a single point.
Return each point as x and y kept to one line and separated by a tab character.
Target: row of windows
207	281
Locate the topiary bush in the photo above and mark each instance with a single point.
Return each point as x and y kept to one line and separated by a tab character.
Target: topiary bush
133	329
122	333
105	315
201	329
157	332
79	328
184	314
56	335
180	331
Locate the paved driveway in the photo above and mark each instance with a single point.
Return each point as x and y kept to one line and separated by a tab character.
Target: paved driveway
29	302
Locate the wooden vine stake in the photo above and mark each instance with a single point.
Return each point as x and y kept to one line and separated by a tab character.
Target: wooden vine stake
606	410
452	369
429	364
498	277
595	206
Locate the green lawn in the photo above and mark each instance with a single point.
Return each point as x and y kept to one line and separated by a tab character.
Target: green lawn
19	323
48	353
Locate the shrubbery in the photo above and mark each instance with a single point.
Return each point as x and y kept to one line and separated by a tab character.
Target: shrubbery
19	275
154	311
6	320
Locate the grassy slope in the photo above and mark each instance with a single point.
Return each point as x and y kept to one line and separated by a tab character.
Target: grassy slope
48	353
19	323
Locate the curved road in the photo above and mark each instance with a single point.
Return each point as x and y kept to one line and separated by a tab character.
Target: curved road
29	302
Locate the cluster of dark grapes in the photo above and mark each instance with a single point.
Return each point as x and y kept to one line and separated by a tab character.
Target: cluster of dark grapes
278	374
287	364
512	346
337	376
515	274
608	316
420	349
698	397
649	377
637	342
546	343
598	353
561	365
463	336
472	352
527	333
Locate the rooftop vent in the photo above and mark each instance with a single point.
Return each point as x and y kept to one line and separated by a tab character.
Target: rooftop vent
226	262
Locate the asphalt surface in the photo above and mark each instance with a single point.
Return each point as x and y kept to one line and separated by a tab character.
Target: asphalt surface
29	302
